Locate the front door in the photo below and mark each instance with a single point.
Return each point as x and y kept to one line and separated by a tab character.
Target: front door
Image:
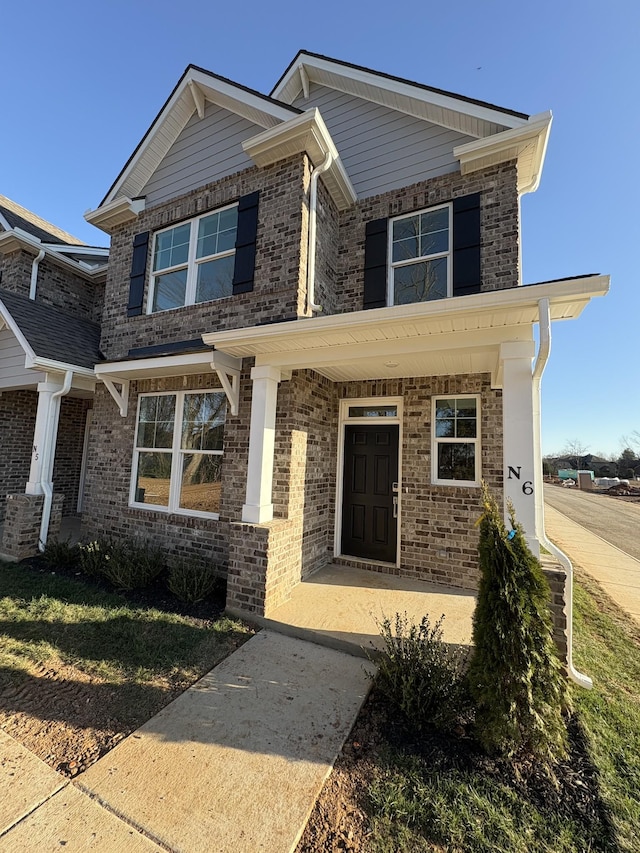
369	511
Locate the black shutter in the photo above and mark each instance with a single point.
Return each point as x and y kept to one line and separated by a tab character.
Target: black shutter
466	245
375	263
245	262
138	273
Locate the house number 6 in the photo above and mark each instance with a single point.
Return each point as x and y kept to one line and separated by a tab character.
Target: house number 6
527	488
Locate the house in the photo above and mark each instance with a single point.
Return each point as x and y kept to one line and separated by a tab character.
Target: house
315	342
51	295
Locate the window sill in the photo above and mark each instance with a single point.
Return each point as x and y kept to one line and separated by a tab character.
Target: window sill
211	516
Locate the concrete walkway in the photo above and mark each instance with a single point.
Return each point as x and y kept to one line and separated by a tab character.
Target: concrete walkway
234	764
617	572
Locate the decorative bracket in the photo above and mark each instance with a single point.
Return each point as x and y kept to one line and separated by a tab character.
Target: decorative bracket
121	397
228	369
198	98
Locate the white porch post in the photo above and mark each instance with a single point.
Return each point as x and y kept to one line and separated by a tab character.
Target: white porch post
259	506
44	437
520	480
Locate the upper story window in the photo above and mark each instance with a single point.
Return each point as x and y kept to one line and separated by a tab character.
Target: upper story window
194	261
420	256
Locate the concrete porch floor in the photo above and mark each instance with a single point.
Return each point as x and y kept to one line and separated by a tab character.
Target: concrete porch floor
339	606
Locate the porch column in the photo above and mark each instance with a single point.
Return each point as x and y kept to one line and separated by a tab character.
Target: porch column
44	437
259	507
519	455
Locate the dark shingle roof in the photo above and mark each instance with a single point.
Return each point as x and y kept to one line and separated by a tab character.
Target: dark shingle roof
53	333
18	216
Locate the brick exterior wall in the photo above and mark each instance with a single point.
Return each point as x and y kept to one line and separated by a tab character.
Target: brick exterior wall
278	274
56	286
68	461
22	524
498	222
17	423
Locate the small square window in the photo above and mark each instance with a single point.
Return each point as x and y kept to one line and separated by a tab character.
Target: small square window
456	440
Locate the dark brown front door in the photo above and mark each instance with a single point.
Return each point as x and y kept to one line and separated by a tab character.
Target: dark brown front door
369	525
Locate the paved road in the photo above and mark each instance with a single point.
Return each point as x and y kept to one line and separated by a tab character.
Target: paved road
617	522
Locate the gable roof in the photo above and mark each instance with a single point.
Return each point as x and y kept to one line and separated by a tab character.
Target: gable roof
193	89
16	216
50	333
456	112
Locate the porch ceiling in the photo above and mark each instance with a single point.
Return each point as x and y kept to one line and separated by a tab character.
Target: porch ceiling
450	336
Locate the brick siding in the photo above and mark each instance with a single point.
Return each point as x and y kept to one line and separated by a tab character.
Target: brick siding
17	423
68	459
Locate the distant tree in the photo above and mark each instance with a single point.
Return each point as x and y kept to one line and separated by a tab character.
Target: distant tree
626	462
574	450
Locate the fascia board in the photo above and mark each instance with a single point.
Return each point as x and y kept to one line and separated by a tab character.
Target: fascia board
4	223
15	329
510	145
11	240
404	89
165	365
567	291
307	132
175	115
50	364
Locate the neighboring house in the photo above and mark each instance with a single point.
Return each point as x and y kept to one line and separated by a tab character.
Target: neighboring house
51	296
315	340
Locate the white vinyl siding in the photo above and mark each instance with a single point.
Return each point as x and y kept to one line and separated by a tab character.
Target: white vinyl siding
383	149
207	149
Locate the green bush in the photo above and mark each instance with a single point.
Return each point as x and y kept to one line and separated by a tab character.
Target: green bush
420	676
60	554
514	675
131	565
94	556
190	581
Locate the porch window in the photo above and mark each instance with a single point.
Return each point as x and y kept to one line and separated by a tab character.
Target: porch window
456	440
194	261
178	452
420	250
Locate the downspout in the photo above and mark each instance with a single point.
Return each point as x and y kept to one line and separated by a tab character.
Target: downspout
544	323
311	253
34	274
47	485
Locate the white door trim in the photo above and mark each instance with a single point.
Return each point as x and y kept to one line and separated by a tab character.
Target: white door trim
343	420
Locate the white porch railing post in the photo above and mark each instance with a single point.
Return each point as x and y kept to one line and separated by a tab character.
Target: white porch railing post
259	505
520	479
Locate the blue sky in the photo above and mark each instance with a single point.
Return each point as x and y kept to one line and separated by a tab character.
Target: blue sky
83	81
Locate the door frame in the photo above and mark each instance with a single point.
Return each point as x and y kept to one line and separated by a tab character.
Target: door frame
343	420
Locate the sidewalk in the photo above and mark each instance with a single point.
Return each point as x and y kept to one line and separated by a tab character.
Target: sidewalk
234	764
617	572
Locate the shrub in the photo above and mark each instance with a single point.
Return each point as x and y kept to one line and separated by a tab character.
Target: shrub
419	675
60	554
131	565
94	556
514	675
191	582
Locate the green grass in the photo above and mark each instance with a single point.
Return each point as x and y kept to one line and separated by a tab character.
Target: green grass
436	803
47	619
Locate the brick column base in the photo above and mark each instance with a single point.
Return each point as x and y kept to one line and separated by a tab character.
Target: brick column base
557	579
22	524
265	564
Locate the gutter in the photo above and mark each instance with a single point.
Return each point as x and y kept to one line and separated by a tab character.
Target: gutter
544	323
47	485
34	274
311	254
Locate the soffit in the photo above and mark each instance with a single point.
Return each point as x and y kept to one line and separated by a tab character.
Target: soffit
460	335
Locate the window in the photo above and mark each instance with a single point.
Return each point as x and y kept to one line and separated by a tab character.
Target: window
177	458
193	262
420	256
456	440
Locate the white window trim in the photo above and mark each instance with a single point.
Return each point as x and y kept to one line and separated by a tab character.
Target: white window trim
176	452
445	440
343	420
191	264
391	265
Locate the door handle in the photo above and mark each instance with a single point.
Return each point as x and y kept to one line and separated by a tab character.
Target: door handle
395	506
